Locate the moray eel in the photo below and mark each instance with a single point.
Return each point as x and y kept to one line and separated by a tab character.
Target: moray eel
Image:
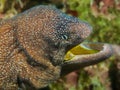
33	45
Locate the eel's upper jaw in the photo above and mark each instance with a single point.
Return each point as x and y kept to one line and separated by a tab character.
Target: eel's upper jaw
82	30
87	30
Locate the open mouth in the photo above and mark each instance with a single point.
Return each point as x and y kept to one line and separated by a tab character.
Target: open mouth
82	49
85	54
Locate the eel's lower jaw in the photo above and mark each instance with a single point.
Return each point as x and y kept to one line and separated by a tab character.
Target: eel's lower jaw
80	61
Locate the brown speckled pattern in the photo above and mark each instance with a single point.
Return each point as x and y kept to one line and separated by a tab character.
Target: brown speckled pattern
33	45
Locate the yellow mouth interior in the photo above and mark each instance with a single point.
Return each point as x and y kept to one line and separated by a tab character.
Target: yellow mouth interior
80	49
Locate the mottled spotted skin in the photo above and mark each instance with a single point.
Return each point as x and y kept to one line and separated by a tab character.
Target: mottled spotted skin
33	45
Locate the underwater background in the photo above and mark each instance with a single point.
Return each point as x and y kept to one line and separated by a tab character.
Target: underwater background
104	16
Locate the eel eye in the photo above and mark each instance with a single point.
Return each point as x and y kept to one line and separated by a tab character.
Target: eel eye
65	37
